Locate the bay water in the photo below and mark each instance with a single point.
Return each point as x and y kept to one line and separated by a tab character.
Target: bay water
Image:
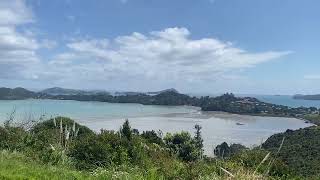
217	127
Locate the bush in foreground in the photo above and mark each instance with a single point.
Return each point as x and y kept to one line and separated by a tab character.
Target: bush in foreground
63	146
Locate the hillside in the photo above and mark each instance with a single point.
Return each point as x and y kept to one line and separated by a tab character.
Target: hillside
300	150
307	97
16	94
62	91
60	148
159	92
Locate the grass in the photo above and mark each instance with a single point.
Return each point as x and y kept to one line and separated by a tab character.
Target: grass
14	165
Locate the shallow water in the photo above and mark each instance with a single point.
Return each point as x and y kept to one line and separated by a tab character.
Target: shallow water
217	127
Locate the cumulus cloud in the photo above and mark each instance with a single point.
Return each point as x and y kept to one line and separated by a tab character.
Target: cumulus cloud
17	50
13	12
167	55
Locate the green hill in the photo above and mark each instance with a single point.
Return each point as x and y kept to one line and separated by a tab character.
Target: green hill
300	150
307	97
15	94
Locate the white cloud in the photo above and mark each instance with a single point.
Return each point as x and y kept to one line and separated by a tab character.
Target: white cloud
13	12
165	56
17	50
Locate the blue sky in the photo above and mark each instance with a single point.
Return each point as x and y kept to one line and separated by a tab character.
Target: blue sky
203	46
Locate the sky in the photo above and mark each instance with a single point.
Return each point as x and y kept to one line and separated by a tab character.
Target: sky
195	46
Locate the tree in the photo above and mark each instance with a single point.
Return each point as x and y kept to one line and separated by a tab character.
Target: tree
126	130
181	144
152	137
222	150
198	140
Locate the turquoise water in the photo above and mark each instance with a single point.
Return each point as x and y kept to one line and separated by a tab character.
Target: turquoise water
83	110
217	127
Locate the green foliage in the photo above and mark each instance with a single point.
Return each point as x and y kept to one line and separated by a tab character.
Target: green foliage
152	137
53	124
181	144
224	150
253	159
13	138
126	130
314	118
91	152
300	150
198	140
14	165
129	155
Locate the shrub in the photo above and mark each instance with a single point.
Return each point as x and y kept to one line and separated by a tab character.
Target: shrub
90	152
224	150
13	138
54	124
152	137
182	144
252	159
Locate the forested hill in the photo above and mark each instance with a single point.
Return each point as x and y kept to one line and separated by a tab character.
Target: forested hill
16	94
300	150
307	97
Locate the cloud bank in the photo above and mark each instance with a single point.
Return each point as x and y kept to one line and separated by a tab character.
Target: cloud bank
17	50
167	55
164	57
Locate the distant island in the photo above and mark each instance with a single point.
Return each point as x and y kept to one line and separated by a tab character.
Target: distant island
226	103
16	94
307	97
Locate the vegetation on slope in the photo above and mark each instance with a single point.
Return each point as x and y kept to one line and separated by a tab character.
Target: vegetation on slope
313	118
15	165
16	93
61	146
300	150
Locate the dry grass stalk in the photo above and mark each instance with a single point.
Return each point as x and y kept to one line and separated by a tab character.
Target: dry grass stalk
264	159
54	122
74	126
271	162
227	172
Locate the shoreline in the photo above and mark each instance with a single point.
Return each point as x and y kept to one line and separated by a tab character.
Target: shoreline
187	106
